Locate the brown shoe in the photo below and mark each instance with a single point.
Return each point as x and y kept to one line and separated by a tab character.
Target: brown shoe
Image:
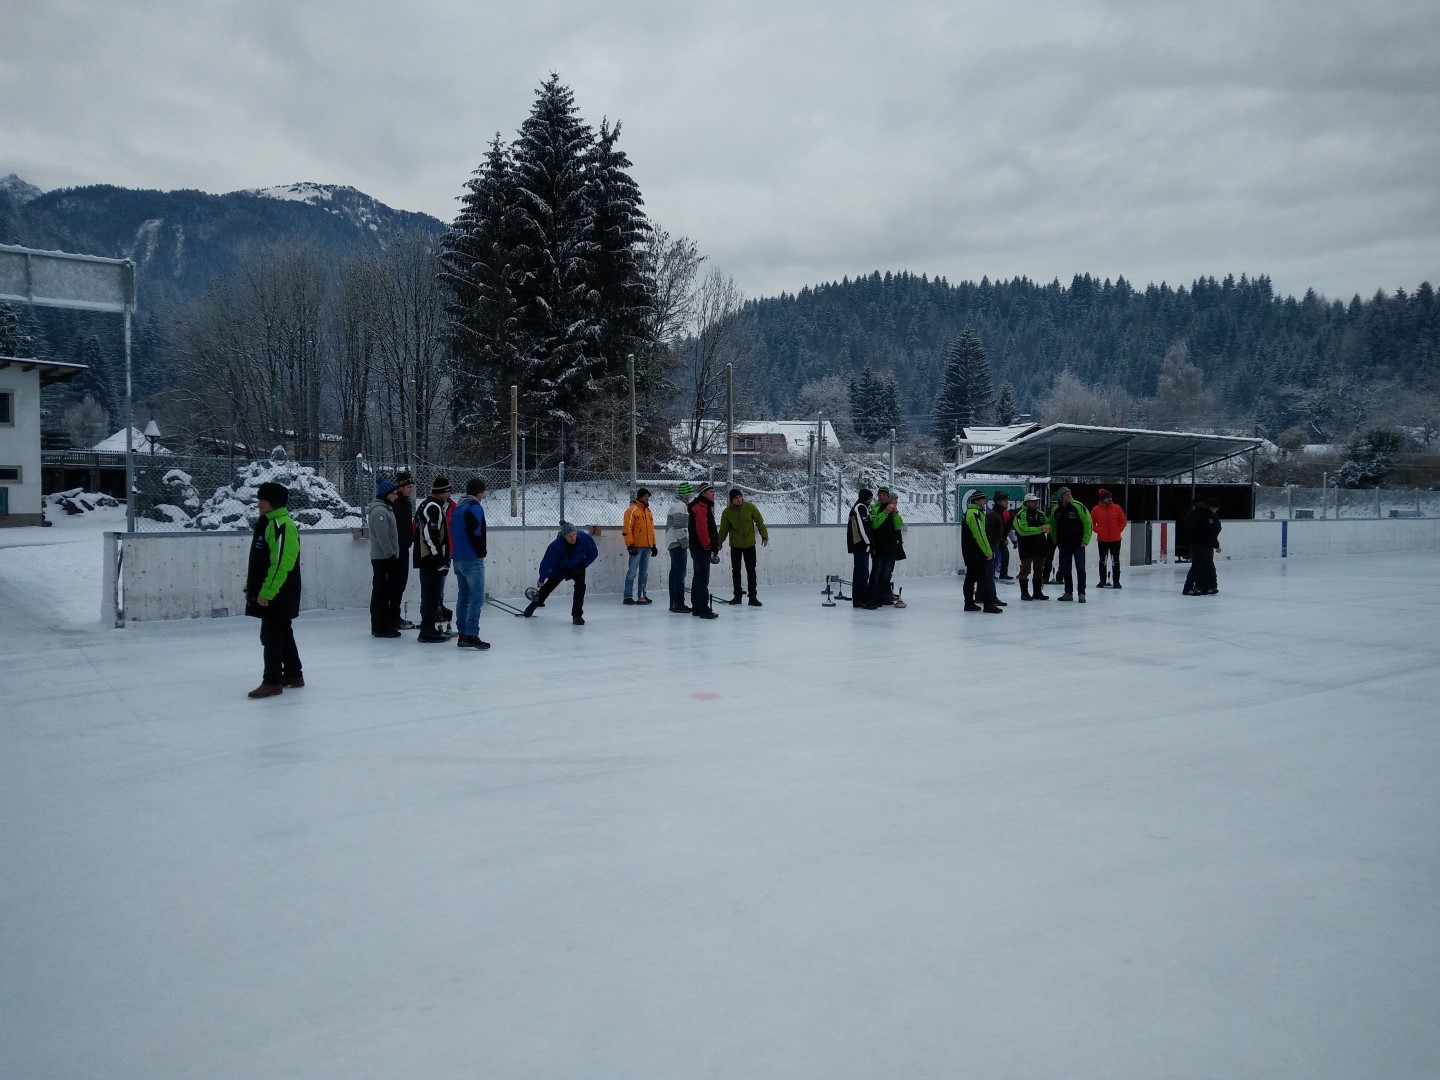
293	684
266	689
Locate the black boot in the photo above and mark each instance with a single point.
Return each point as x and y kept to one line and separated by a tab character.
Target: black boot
1024	589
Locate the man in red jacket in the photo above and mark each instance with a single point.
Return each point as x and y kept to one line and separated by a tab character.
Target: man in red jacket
1109	522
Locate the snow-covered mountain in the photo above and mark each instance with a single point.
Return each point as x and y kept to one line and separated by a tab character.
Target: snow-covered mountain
344	202
18	190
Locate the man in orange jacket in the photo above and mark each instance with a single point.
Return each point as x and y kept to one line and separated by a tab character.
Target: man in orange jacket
1109	522
639	533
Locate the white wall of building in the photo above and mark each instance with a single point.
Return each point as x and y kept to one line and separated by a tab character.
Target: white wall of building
20	445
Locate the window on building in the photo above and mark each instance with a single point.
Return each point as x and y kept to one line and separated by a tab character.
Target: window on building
7	407
9	474
744	442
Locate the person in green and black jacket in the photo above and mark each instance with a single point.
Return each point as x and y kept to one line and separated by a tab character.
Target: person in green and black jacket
740	521
1033	529
976	551
1070	527
272	590
885	535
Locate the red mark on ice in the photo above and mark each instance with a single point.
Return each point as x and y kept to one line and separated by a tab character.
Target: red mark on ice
706	695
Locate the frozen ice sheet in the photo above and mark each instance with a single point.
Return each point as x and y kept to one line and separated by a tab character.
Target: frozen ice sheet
1151	836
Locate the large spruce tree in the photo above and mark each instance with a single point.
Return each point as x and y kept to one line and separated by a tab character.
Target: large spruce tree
545	263
966	391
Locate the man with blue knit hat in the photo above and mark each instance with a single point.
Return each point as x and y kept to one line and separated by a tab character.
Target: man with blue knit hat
565	560
467	556
386	563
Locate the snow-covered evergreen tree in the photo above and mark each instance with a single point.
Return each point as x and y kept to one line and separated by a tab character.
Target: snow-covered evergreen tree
481	266
966	391
1005	408
559	305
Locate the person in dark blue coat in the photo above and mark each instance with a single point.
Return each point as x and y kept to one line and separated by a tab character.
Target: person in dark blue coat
565	560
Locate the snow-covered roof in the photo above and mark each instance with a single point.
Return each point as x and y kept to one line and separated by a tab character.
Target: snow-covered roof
998	435
115	444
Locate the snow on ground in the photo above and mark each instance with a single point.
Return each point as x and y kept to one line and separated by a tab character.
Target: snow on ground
1151	836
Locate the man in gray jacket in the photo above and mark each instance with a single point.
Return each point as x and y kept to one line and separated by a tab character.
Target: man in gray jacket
386	564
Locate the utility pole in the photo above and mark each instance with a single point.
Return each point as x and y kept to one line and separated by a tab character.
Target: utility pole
892	459
730	425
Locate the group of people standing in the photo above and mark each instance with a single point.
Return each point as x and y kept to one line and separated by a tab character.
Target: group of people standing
874	536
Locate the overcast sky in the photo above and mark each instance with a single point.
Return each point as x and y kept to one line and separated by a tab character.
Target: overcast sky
797	142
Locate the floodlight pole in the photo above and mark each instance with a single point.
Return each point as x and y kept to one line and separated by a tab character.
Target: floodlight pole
634	468
892	457
730	425
514	447
129	411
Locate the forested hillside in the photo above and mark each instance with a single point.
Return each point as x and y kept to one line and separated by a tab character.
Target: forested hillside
1325	365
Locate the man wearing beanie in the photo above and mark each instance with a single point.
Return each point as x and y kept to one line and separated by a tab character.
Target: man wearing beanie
467	547
740	522
405	531
704	549
857	542
565	560
432	557
272	590
385	560
639	533
677	542
1033	528
975	550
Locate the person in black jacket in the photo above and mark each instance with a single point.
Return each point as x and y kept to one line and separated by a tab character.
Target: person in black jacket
405	530
704	550
857	542
432	558
272	590
1202	535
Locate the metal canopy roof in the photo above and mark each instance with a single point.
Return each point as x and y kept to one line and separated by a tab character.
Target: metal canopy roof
1078	451
51	371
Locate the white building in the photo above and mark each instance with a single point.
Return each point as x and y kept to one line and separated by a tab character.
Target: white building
752	438
21	498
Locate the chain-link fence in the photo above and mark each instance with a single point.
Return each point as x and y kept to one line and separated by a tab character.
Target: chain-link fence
1295	503
177	492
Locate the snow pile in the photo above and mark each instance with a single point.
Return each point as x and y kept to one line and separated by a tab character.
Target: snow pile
315	503
79	501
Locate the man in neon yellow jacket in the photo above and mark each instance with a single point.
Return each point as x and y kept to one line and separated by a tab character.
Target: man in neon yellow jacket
1070	527
976	551
272	590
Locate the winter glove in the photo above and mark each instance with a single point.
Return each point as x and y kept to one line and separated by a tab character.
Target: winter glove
633	550
654	552
715	557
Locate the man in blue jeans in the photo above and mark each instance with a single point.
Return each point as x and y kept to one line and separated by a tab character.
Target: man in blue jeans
467	555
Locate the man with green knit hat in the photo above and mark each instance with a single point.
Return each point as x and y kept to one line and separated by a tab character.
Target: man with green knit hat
740	522
565	560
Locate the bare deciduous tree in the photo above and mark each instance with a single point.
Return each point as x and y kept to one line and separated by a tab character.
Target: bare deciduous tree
1073	402
720	335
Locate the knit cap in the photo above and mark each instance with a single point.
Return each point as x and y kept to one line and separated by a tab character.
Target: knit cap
273	493
685	488
566	528
383	487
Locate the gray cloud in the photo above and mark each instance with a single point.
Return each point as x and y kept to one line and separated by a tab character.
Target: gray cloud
799	142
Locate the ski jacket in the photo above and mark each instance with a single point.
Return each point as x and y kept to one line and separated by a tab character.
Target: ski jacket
677	525
704	536
885	528
404	522
1070	524
857	533
1109	522
997	524
273	572
384	534
974	540
740	523
639	526
1029	526
467	529
1201	526
560	556
432	534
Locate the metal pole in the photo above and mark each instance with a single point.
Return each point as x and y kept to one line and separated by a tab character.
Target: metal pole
514	446
1289	502
730	425
819	464
523	479
634	468
1377	500
1126	507
1193	453
892	457
839	490
413	433
562	488
1325	496
129	421
810	482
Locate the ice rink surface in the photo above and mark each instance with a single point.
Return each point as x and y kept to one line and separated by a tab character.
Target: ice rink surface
1153	836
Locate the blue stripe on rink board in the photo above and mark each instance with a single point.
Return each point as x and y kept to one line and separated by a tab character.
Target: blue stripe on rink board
1284	539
